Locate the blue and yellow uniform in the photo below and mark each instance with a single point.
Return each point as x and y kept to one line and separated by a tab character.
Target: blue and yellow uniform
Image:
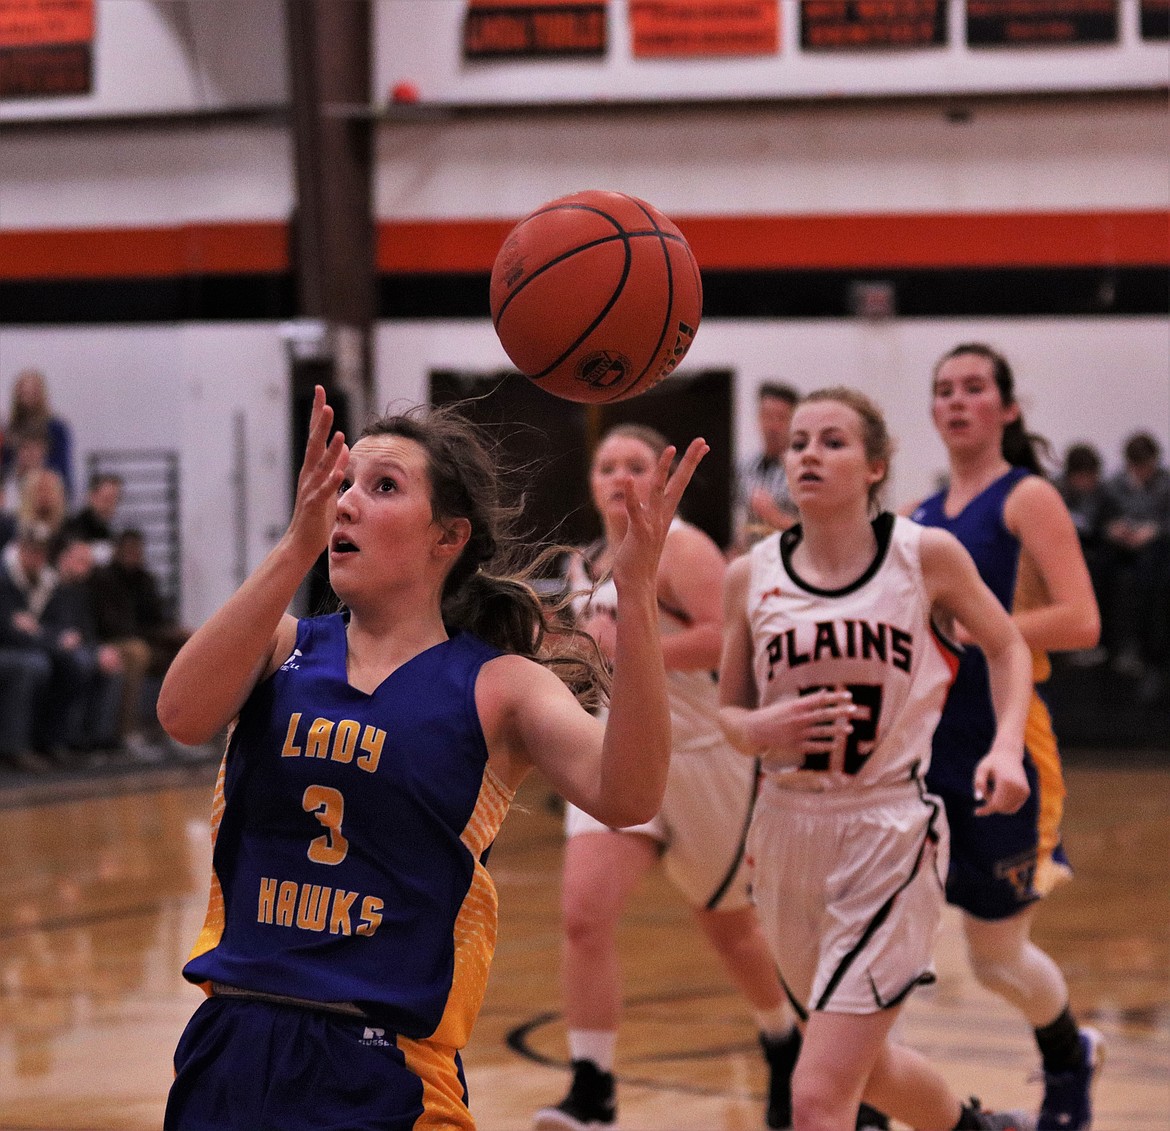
1002	862
352	921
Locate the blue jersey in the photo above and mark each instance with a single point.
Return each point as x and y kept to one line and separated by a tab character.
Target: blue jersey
967	727
350	834
1003	862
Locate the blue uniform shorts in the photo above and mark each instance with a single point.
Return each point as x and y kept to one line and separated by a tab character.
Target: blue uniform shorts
994	859
262	1066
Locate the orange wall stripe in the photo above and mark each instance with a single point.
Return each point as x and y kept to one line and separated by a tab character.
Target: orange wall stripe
731	243
145	253
721	243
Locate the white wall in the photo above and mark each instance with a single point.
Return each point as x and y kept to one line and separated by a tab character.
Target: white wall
1077	379
786	160
175	56
105	177
1096	378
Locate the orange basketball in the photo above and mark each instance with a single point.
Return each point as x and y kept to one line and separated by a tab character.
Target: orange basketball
596	297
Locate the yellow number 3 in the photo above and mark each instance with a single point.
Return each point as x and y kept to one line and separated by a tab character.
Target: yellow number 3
328	806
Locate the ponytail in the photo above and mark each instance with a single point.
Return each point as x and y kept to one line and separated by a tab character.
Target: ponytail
489	591
1020	447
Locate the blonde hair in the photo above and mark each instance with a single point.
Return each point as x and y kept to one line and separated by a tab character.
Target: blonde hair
41	485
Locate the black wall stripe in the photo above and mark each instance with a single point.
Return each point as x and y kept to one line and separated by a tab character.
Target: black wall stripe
1070	292
1075	292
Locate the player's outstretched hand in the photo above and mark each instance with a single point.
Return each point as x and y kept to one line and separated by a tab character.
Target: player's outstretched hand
320	477
1001	786
636	561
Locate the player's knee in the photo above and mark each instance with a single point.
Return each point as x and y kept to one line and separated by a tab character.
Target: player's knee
993	973
585	919
813	1107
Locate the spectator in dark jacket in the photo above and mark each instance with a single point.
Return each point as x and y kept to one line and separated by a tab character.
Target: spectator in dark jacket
43	638
1138	531
130	615
94	522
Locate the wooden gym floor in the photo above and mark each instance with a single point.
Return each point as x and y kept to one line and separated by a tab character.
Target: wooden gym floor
103	884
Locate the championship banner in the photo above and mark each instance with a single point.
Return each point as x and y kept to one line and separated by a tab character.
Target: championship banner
46	47
690	28
1019	23
1155	19
531	29
851	25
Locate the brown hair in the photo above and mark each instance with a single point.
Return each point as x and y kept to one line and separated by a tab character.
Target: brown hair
651	437
489	590
1020	447
875	436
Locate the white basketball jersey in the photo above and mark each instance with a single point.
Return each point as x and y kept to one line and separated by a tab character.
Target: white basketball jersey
873	637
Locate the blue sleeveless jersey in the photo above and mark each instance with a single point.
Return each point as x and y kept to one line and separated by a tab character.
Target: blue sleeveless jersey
967	727
350	834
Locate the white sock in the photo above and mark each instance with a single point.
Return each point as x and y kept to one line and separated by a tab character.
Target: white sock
774	1022
596	1045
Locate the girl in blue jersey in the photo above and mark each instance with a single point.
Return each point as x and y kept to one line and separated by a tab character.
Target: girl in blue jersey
834	670
351	921
1018	530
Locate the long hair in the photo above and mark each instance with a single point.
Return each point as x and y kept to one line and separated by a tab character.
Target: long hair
30	414
489	590
1020	447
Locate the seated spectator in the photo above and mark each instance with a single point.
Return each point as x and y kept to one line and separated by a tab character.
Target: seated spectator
1082	487
130	614
28	453
1137	530
7	518
94	521
31	414
43	504
44	643
24	666
72	606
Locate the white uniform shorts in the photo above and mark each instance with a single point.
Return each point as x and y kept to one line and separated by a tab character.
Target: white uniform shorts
849	885
701	827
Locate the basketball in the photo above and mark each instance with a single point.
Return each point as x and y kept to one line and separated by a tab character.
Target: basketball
596	297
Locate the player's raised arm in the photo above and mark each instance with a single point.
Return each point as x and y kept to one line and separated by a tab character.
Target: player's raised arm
218	666
616	773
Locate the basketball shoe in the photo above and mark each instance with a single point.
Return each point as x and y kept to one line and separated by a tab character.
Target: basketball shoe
588	1105
1068	1100
974	1118
781	1054
870	1119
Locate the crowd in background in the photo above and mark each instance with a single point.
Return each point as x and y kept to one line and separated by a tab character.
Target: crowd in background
85	635
1123	519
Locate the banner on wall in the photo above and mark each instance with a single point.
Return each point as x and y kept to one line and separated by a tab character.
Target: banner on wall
46	47
1155	19
690	28
847	25
519	29
1018	23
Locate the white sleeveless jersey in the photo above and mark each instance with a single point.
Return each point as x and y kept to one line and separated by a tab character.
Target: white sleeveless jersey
874	637
693	695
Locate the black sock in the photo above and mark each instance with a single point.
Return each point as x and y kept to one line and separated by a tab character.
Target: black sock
870	1117
1060	1044
969	1119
